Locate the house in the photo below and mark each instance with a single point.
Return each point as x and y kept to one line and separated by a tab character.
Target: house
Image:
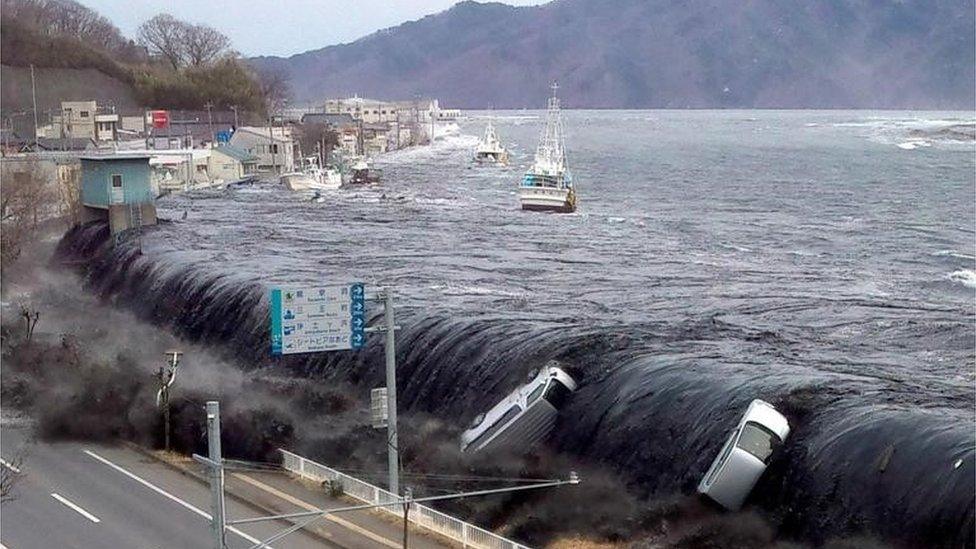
375	138
229	163
83	119
117	188
274	147
77	118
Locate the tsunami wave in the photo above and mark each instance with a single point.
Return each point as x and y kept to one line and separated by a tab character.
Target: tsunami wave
655	403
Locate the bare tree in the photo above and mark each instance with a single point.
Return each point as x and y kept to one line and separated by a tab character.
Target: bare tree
30	316
275	88
8	478
164	35
69	194
66	18
10	472
204	44
27	198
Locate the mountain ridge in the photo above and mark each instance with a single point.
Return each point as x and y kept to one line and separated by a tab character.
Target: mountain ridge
660	54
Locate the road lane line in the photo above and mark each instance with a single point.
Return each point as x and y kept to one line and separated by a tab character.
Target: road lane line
309	507
76	508
166	494
8	465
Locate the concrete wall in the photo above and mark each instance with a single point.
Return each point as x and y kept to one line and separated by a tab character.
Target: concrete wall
126	216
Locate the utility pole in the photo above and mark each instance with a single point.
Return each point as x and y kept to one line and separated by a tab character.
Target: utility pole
234	108
34	101
393	456
209	105
407	497
215	466
166	379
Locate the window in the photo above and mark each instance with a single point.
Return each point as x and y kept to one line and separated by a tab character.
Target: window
758	441
535	394
490	432
83	114
557	394
116	181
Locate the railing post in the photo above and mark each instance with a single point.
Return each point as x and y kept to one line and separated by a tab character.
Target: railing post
464	535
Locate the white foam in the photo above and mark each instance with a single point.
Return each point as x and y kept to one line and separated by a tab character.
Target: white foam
965	277
953	253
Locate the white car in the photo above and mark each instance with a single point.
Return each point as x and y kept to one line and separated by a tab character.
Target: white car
525	416
745	455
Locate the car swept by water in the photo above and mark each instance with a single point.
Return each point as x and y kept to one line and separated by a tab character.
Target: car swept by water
525	416
745	455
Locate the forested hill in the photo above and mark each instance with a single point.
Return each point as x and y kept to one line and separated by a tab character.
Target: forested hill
662	53
80	54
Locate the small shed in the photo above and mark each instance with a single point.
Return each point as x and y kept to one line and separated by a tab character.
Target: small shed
118	188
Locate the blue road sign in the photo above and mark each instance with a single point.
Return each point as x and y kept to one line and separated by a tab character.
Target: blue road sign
308	320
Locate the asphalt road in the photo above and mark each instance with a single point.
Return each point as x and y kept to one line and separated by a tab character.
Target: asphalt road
89	495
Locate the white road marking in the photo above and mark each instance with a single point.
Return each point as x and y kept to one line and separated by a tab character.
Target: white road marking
8	465
76	508
166	494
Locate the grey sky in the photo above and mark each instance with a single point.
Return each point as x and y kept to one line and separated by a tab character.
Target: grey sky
279	27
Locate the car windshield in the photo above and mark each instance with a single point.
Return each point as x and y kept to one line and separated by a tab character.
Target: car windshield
557	394
535	393
758	441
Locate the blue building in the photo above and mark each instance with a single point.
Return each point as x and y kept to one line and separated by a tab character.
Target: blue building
118	188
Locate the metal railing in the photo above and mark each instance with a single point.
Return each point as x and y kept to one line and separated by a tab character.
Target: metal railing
467	534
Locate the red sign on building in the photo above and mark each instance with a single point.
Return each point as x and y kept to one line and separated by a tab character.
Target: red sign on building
160	119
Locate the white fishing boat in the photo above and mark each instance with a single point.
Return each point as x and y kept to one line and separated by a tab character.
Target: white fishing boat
312	177
490	149
360	173
548	184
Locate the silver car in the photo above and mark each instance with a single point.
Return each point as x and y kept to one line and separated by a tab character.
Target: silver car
525	416
745	455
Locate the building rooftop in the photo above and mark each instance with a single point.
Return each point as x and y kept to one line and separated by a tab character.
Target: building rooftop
65	143
237	153
117	156
331	119
264	131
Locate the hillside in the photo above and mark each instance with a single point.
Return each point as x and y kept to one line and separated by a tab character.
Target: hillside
79	54
58	84
661	53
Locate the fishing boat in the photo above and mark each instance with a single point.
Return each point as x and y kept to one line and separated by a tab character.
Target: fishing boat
490	150
548	184
312	177
360	173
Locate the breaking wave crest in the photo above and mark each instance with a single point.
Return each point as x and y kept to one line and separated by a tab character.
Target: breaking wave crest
863	454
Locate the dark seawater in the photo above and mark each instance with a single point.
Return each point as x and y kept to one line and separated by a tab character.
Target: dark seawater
822	261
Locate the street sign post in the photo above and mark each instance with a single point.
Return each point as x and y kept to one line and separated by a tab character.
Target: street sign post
313	319
333	318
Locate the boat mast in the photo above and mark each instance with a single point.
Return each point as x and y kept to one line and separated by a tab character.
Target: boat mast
551	145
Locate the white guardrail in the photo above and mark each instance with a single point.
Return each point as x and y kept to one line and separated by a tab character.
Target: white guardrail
468	535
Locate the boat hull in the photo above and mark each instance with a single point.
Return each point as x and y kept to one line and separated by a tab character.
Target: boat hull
491	157
305	182
542	199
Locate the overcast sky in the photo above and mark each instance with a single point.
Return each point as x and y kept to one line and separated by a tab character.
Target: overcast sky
279	27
